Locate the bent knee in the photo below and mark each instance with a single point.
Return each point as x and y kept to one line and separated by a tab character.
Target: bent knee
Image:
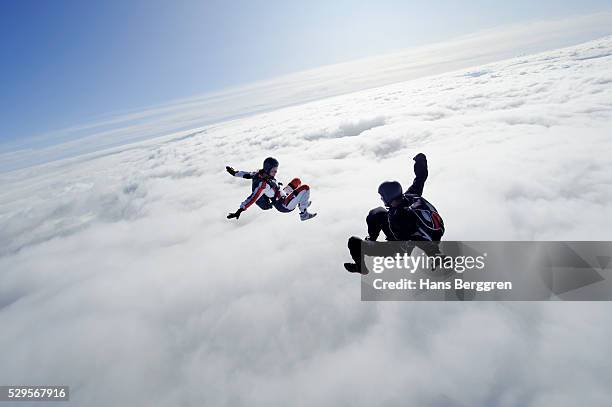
376	211
302	188
353	241
295	182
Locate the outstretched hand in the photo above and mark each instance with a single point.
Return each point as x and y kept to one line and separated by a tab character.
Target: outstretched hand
230	170
419	156
235	214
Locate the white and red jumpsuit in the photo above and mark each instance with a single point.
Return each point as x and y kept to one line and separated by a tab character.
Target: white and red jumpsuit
267	193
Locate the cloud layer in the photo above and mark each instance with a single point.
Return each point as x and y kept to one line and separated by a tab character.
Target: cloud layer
179	117
121	277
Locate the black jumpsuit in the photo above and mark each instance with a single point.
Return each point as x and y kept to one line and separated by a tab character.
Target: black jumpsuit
396	223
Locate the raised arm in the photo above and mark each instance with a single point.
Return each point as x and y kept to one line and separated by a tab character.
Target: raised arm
420	175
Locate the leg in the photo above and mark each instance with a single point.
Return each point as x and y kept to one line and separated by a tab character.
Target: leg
302	197
431	248
295	183
354	245
378	220
299	197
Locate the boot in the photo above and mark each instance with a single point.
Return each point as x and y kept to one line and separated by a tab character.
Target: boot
306	215
353	268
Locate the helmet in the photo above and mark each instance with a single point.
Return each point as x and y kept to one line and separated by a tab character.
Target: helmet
269	163
390	190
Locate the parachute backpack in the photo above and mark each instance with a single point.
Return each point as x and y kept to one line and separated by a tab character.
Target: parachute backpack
430	221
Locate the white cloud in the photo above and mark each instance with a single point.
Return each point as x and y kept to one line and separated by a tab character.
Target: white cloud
121	276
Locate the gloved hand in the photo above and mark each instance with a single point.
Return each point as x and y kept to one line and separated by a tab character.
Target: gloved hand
420	156
231	170
235	214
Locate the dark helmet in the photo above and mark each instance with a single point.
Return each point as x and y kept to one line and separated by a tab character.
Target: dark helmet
269	163
390	190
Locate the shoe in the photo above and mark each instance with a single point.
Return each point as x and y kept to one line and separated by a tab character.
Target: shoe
306	215
353	268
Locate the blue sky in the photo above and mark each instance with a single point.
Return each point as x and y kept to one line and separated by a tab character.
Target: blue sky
69	62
